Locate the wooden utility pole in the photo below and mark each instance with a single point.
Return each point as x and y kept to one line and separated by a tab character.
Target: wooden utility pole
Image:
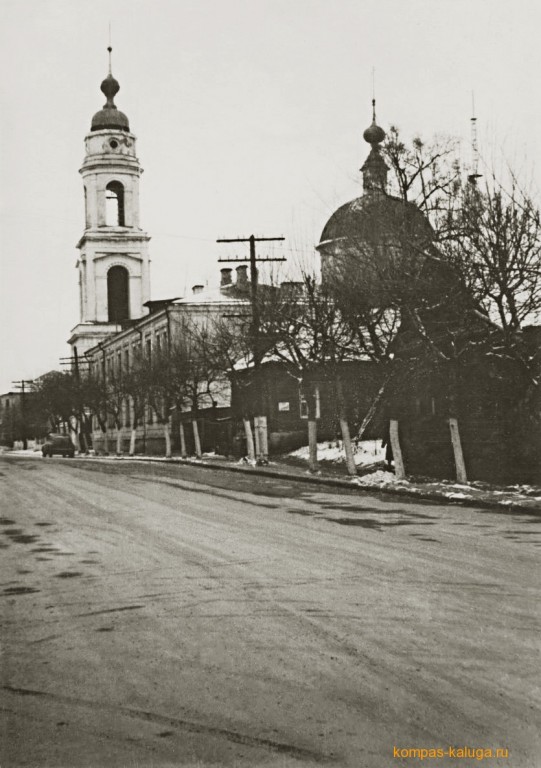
254	260
260	421
20	385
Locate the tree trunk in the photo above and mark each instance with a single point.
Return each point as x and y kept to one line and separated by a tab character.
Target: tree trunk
460	464
183	451
312	445
250	450
106	442
399	470
257	447
74	429
344	428
196	439
372	410
118	441
132	440
261	439
167	435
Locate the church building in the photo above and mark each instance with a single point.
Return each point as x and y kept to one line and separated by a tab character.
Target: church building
113	263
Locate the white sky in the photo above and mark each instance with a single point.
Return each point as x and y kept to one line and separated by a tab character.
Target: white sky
249	116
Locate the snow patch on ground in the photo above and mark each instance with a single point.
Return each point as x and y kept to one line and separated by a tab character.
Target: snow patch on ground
380	477
365	453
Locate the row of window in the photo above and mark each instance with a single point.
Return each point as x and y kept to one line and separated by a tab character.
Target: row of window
118	362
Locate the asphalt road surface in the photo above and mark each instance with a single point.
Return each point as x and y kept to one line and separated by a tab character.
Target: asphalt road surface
155	615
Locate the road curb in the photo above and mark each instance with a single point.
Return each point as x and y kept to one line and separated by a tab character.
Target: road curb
402	492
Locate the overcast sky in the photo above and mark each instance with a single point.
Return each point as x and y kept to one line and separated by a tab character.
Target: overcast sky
249	117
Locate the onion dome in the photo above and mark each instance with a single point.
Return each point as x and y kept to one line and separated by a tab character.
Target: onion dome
374	134
110	117
374	169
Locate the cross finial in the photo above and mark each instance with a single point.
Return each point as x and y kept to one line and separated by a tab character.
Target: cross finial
110	50
374	94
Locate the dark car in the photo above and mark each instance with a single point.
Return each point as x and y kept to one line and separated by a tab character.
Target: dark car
60	444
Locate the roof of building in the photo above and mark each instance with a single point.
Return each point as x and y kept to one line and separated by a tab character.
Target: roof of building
224	293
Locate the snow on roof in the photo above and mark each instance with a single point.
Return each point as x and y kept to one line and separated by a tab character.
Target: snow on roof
224	295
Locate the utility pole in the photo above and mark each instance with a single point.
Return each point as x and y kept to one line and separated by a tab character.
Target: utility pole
20	385
83	435
254	260
260	421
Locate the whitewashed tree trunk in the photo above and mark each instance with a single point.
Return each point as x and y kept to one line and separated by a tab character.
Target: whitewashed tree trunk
348	448
118	441
196	439
460	464
312	445
399	469
132	441
250	449
344	428
264	438
261	439
74	429
105	442
257	448
167	435
183	451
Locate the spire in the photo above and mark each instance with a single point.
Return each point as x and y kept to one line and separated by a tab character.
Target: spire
374	169
110	116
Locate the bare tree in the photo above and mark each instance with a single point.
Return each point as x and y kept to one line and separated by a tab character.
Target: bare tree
229	346
135	387
302	326
497	249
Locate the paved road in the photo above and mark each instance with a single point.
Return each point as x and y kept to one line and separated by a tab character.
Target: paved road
174	616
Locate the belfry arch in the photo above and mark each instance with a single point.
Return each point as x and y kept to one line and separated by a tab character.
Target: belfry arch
114	204
118	294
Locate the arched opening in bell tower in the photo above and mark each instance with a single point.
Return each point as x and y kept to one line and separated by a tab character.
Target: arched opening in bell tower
114	204
118	294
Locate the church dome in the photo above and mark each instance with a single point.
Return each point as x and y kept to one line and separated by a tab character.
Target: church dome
377	218
368	241
110	117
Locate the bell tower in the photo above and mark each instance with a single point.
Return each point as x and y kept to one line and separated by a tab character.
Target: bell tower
113	263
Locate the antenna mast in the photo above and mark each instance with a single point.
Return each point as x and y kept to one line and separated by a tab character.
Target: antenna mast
474	175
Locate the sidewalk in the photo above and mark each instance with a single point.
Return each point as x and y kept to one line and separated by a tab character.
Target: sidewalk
520	498
524	498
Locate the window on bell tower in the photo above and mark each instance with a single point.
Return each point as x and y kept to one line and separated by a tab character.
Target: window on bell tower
114	204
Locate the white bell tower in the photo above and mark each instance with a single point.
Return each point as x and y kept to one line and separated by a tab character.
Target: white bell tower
113	264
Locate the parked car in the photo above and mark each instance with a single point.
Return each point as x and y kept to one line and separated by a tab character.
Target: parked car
60	444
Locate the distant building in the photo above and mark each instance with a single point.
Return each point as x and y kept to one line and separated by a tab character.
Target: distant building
10	417
19	419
